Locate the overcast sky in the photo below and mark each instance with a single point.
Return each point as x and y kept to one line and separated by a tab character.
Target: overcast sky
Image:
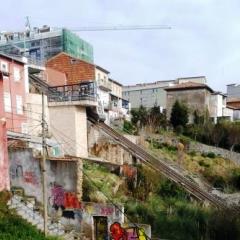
204	39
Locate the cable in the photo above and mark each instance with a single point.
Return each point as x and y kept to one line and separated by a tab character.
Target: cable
110	200
65	136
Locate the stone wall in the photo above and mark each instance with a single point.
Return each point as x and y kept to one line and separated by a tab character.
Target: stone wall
203	148
101	146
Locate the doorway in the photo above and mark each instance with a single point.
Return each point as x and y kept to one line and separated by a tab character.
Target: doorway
100	228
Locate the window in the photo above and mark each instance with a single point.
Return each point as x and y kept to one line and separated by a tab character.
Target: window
4	66
19	105
16	74
7	102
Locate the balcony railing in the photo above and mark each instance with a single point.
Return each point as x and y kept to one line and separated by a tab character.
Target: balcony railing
74	92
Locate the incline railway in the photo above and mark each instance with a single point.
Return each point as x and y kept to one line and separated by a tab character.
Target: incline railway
159	165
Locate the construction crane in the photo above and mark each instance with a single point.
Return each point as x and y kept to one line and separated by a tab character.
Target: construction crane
121	28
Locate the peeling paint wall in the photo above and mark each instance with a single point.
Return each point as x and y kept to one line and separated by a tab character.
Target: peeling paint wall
25	172
64	204
101	146
91	210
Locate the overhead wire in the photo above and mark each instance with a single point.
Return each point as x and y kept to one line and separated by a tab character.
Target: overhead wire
90	179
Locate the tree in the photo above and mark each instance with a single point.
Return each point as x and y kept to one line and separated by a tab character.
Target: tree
139	116
179	115
156	118
233	135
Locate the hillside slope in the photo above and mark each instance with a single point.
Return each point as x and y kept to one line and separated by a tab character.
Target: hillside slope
150	198
12	227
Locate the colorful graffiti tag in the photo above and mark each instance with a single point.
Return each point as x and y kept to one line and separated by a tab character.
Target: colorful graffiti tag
66	201
120	233
29	176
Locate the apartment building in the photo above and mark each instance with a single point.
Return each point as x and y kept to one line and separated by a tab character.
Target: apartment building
4	165
147	94
15	83
40	44
233	91
201	98
151	94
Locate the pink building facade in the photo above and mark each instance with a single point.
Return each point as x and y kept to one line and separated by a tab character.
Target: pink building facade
13	81
4	167
14	92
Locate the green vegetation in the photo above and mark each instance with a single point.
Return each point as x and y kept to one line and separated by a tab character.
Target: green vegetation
12	227
153	119
224	134
179	116
153	199
217	171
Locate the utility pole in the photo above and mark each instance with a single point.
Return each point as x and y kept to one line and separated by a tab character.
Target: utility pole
44	177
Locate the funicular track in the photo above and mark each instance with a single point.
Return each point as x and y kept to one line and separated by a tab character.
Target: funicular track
160	165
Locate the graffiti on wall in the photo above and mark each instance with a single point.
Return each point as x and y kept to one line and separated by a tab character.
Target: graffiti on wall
119	233
100	209
66	202
27	176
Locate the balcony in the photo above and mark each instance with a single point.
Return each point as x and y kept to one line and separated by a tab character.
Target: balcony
104	85
76	94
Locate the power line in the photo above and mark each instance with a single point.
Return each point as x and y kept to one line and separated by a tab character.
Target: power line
95	185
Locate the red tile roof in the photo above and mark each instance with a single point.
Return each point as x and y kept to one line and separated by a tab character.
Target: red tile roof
233	100
189	85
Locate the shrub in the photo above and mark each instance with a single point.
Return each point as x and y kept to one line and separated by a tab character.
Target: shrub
235	178
193	153
219	182
203	164
211	155
128	127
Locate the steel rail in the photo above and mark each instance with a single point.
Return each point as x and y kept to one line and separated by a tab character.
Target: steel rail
160	165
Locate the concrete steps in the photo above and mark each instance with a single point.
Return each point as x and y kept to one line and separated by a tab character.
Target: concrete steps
26	209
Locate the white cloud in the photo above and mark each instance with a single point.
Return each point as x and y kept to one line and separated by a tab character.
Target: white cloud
204	39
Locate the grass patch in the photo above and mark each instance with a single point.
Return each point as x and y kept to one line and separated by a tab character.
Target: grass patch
12	227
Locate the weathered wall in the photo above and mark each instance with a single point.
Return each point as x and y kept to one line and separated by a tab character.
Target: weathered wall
68	124
25	172
90	210
64	204
101	146
198	99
